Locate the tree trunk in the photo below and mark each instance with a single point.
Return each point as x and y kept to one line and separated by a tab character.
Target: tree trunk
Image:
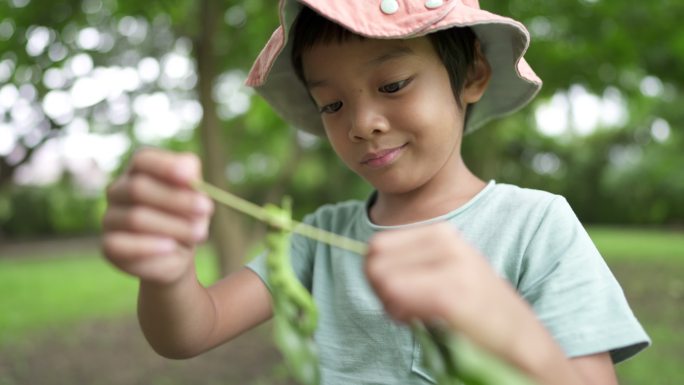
226	233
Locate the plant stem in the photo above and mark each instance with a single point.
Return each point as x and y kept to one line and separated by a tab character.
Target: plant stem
262	215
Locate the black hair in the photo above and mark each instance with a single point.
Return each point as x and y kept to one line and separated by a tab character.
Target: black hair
454	46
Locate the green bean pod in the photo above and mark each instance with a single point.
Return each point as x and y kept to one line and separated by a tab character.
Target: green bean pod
452	360
295	313
455	360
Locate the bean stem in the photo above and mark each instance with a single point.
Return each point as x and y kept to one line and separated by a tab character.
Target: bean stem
258	212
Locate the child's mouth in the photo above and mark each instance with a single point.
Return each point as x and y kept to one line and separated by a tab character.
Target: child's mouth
382	158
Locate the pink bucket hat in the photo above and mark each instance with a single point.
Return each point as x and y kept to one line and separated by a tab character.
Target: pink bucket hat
503	41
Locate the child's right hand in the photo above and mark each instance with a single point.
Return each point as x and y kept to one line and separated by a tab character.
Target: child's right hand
154	218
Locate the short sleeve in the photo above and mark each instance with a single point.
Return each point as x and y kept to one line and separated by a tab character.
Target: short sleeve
301	258
573	291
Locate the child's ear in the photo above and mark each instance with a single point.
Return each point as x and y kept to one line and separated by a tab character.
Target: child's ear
478	77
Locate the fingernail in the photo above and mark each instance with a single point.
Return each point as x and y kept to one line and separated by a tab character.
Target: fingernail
200	232
203	205
185	170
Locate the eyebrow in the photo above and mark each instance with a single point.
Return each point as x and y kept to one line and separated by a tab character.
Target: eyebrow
394	53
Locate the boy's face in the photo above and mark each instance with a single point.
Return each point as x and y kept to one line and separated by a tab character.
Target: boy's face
388	109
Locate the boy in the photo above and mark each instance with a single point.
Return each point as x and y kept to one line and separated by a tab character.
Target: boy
394	87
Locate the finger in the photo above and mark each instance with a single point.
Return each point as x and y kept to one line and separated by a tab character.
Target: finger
119	246
145	220
380	264
419	294
181	169
150	258
404	249
142	189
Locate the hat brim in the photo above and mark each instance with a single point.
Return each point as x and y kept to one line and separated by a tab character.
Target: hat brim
503	41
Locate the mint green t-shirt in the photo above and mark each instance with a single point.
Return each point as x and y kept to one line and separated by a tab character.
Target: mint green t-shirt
530	237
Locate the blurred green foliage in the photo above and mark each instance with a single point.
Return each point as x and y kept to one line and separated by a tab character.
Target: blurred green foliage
620	173
54	210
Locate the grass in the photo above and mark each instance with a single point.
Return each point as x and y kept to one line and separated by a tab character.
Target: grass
650	267
660	364
46	292
622	244
57	290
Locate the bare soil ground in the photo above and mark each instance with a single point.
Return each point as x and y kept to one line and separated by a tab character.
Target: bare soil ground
57	246
114	352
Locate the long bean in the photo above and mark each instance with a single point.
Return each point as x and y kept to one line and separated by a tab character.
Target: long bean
295	313
453	360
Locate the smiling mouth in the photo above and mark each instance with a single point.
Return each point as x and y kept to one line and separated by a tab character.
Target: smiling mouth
382	158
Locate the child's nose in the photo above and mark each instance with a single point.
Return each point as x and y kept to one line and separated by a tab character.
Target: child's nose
367	121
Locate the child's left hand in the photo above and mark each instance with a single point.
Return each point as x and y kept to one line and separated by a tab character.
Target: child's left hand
431	273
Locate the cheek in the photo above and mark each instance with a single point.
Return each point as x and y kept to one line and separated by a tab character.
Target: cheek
339	142
432	114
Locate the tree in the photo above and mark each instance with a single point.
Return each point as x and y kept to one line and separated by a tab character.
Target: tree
39	39
50	52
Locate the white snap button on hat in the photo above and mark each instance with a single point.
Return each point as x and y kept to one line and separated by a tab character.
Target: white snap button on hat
431	4
389	7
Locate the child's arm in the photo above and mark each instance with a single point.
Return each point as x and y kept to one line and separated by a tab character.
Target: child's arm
184	319
152	225
431	273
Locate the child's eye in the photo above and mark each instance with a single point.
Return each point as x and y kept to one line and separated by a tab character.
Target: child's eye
394	87
330	108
